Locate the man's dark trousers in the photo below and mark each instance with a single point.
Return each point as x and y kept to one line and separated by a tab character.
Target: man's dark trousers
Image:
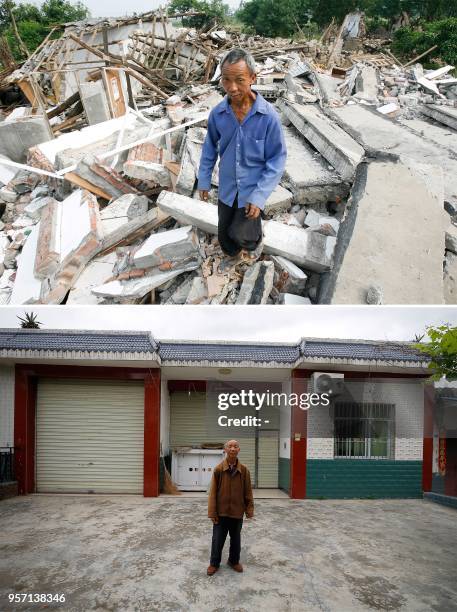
224	526
235	231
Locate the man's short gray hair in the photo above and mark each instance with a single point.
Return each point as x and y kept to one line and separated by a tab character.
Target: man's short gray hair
238	55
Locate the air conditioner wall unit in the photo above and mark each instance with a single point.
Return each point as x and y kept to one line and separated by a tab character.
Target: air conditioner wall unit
327	382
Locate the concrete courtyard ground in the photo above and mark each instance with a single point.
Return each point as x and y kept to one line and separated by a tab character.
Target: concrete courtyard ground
129	553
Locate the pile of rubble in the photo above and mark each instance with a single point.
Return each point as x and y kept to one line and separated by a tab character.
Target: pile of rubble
99	202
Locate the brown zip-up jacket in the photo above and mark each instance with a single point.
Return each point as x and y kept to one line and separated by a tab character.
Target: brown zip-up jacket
230	495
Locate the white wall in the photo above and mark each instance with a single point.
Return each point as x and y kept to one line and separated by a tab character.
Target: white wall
6	405
408	397
284	424
164	416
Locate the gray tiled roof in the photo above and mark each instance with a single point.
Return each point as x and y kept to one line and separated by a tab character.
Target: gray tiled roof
142	342
175	351
117	342
387	351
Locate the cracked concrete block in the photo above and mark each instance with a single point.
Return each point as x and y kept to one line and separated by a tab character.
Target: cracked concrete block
27	287
168	250
136	288
36	206
187	175
396	215
4	244
94	101
310	250
321	223
279	201
450	278
8	195
198	291
451	238
97	272
257	283
366	84
332	142
291	278
189	211
179	296
290	299
148	171
16	137
129	205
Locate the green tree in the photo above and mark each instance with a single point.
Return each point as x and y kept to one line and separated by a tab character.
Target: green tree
213	11
62	11
275	17
442	348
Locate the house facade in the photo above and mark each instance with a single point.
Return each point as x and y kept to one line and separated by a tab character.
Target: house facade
105	412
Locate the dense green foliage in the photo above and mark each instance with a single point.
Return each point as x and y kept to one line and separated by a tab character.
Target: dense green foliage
286	17
443	33
34	23
442	348
213	11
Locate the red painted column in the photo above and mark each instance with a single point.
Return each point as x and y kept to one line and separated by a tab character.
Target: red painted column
151	485
24	430
427	456
298	434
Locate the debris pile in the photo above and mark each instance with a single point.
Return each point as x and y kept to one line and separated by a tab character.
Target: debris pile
99	205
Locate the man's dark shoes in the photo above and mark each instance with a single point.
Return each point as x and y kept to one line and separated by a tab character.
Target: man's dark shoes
235	566
212	569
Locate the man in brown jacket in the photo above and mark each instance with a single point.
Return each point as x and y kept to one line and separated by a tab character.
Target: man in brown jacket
230	497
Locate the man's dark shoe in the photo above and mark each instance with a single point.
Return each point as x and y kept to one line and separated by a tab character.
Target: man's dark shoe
235	566
212	569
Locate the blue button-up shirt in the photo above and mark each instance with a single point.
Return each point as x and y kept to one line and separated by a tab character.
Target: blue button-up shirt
252	153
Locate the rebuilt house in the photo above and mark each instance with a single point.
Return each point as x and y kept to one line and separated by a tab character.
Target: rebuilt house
102	412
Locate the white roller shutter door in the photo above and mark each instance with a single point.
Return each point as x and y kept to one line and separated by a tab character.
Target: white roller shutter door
89	436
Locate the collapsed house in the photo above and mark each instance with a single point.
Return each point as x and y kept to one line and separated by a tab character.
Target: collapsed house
99	202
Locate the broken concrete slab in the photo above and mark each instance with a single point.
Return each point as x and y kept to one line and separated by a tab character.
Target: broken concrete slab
4	244
380	135
189	211
96	273
168	250
257	283
307	174
48	255
179	296
338	147
36	206
8	195
279	200
187	175
27	288
380	245
447	115
310	250
138	227
16	137
291	278
137	288
438	133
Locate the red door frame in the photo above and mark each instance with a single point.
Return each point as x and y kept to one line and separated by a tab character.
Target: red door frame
26	378
299	426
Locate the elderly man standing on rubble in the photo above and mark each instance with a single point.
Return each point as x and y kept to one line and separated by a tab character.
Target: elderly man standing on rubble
245	131
230	497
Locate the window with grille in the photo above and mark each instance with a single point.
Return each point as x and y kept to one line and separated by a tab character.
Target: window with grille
364	431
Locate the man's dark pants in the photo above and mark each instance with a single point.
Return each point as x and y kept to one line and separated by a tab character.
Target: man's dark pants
224	526
235	231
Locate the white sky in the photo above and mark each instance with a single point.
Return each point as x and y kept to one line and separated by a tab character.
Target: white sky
261	323
120	8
